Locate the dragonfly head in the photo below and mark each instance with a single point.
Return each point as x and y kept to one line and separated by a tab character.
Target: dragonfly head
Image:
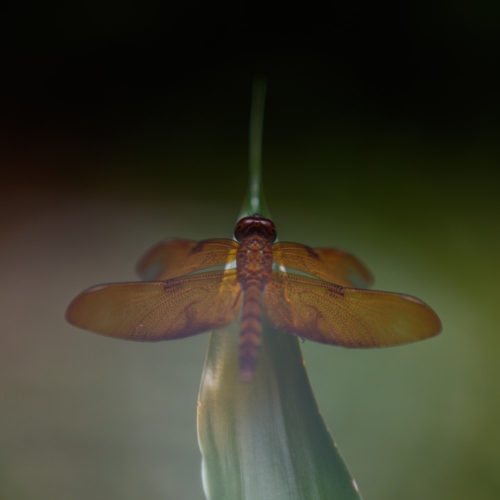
255	224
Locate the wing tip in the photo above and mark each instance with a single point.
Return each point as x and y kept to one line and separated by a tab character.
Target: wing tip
73	313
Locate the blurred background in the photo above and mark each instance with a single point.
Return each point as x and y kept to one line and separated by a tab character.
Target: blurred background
123	125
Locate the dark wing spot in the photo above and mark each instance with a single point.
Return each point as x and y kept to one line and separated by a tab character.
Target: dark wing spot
335	290
198	247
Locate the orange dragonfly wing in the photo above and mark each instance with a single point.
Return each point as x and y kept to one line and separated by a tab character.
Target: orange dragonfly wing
329	264
159	310
173	258
349	317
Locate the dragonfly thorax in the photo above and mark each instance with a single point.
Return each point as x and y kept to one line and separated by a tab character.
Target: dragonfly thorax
254	259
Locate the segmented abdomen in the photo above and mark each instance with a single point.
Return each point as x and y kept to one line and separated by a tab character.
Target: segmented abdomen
251	327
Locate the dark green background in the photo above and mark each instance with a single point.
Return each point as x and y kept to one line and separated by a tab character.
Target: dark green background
122	126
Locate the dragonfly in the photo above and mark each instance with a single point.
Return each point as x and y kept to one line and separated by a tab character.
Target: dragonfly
193	287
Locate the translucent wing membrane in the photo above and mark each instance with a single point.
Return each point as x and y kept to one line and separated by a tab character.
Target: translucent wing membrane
329	264
173	258
349	317
159	310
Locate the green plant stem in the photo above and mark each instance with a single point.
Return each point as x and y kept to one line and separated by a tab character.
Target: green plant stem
254	201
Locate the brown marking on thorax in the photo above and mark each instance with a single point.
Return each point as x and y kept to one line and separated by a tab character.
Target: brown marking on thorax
254	260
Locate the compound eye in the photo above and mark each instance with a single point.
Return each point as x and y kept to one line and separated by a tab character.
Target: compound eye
255	224
242	228
272	233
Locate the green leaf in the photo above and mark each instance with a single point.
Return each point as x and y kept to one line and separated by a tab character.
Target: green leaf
264	439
